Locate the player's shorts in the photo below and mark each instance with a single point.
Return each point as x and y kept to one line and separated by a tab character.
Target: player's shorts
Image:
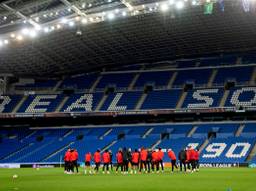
87	163
135	164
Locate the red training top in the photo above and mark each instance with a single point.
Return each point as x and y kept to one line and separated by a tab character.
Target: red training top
135	157
97	157
76	154
67	156
155	156
160	155
192	154
106	157
143	155
73	156
119	157
171	155
88	157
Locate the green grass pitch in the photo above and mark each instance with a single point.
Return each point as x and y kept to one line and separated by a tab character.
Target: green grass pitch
222	179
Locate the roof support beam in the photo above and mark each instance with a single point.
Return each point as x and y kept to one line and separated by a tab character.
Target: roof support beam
127	4
19	14
74	8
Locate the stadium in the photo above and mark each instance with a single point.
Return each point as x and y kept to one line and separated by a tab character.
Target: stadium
127	95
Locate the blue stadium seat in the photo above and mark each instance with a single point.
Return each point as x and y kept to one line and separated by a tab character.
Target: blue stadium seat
126	99
241	75
198	77
120	81
157	79
162	99
79	82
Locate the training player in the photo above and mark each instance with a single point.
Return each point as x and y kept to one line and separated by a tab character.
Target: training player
182	159
149	160
119	160
67	161
106	161
111	159
143	159
88	158
97	160
125	160
135	161
172	156
161	156
75	162
155	161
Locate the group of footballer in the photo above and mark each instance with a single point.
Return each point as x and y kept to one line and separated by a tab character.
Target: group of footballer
139	160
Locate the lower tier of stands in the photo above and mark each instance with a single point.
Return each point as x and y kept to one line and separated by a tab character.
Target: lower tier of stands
223	142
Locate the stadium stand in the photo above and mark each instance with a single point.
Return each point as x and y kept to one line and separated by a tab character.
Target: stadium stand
161	99
192	76
120	81
79	82
49	145
121	101
157	79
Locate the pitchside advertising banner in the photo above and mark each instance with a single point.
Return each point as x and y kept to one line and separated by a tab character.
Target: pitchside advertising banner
9	165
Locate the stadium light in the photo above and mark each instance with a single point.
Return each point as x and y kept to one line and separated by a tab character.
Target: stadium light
111	16
64	20
71	24
194	2
180	5
84	21
124	13
25	31
32	34
171	2
164	7
46	29
6	41
19	37
12	35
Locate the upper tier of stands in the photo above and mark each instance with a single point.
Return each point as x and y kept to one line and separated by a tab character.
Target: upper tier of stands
196	71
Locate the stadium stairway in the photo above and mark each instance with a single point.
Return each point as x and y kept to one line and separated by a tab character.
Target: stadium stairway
28	136
65	147
239	130
147	132
154	146
105	134
192	131
34	151
133	82
224	98
62	103
94	85
253	78
181	99
141	101
101	103
172	79
108	146
212	78
58	84
17	107
252	153
16	152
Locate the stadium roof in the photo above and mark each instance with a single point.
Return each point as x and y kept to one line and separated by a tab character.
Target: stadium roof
139	38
